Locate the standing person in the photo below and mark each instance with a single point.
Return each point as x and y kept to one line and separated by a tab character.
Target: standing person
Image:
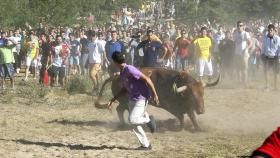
104	66
182	55
253	52
6	62
16	37
74	58
217	38
226	50
111	46
136	55
203	46
57	71
152	49
23	47
45	49
136	85
270	55
32	55
95	59
168	52
84	52
243	43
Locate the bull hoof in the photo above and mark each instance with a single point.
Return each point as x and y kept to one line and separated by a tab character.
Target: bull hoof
197	129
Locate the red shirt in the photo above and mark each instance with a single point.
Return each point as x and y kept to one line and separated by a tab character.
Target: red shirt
183	47
271	145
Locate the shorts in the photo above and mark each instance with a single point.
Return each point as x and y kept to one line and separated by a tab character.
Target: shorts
205	67
7	70
94	68
74	60
30	61
57	71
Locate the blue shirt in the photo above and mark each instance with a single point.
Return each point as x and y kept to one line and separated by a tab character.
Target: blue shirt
1	42
112	47
152	50
271	46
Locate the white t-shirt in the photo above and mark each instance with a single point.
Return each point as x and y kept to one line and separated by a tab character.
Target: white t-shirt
57	59
240	40
102	42
95	52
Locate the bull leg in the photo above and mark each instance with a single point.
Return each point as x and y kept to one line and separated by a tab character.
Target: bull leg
192	116
180	117
120	109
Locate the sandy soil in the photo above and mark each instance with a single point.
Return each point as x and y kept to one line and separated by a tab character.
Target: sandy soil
60	125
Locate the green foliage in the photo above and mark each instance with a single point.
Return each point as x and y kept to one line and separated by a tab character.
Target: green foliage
71	12
227	11
78	84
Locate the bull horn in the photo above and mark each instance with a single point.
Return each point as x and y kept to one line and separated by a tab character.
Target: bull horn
180	89
214	83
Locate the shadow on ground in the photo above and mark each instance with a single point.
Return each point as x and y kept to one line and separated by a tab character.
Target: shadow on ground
162	125
70	146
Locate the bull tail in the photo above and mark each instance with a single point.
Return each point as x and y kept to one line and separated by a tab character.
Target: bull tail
97	102
213	83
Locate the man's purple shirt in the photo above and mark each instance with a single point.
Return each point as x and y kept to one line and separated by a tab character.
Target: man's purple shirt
137	89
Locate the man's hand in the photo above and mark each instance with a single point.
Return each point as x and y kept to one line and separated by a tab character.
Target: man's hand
155	100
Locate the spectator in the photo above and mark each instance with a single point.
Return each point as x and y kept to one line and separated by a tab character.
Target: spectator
203	46
74	58
95	58
243	43
113	45
152	50
270	55
182	55
32	54
84	52
57	71
226	49
6	62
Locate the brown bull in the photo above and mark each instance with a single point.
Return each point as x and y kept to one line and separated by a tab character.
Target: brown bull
187	98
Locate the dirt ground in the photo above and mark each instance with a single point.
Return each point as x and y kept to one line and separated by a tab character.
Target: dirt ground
60	125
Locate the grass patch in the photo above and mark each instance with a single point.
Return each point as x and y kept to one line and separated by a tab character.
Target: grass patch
32	90
78	85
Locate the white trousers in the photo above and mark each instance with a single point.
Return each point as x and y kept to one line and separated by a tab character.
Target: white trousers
137	117
205	67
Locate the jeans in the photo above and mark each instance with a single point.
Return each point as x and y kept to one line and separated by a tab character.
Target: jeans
84	63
